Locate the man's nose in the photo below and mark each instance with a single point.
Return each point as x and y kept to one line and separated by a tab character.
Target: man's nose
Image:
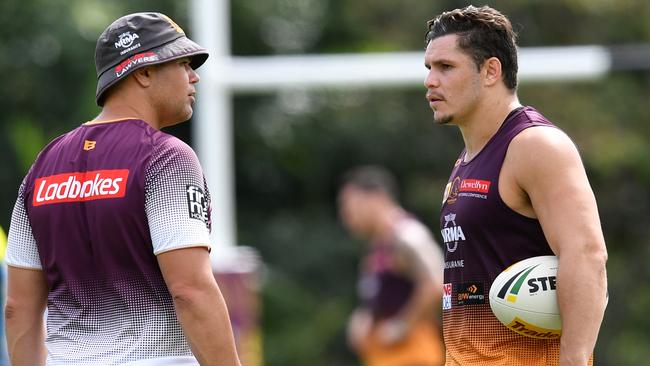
432	80
194	76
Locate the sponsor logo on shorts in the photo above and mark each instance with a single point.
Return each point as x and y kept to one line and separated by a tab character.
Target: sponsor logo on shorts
446	296
197	203
522	327
470	293
78	187
129	63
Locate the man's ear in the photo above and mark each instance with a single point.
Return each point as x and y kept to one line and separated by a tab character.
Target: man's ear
143	76
492	70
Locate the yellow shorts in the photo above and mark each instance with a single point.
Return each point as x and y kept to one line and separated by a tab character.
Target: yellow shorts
421	347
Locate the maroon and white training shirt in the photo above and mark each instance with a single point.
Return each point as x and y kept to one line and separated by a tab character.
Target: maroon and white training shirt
97	206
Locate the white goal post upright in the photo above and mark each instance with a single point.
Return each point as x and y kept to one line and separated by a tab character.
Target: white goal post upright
212	128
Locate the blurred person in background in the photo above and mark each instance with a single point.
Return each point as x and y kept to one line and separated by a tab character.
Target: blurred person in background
517	190
400	283
111	226
4	358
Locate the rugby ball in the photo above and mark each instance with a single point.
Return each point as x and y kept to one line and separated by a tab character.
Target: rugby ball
524	299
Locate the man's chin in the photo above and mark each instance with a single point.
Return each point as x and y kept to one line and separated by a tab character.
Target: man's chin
442	119
178	120
187	116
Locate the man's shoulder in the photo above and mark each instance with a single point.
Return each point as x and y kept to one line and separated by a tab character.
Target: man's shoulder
412	232
417	247
542	138
54	144
537	131
531	114
165	143
171	152
60	139
410	227
540	153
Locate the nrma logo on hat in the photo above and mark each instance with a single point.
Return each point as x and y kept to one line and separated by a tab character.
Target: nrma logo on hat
125	40
518	280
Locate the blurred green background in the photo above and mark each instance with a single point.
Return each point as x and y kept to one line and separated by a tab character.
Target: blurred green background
292	146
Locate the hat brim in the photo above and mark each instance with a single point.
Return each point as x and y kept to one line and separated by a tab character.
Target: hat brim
178	48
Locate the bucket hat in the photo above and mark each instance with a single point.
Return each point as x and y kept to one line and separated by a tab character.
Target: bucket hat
138	40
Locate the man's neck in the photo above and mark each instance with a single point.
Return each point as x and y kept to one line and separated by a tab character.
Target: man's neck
117	109
484	123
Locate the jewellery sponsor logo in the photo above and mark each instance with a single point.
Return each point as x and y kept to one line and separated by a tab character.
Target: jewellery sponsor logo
78	187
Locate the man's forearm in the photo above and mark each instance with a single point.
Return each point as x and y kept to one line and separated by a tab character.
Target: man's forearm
421	303
582	291
25	338
204	318
26	300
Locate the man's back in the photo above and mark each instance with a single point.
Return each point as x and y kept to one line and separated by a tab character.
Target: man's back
111	226
102	201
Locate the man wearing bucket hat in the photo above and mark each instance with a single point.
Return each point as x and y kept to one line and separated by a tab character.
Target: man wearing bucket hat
111	226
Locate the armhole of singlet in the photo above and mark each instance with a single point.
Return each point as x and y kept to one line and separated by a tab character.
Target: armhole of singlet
505	206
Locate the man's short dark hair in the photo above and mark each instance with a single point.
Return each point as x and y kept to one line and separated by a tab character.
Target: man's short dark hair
371	178
483	33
